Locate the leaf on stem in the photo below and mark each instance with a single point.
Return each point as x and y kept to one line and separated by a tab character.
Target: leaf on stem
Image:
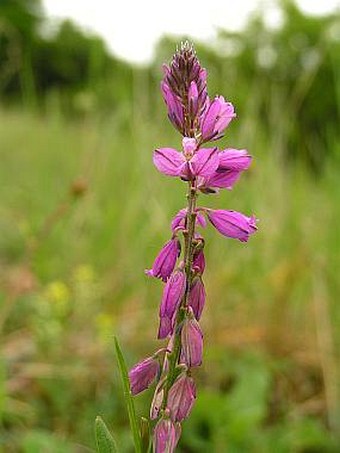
104	439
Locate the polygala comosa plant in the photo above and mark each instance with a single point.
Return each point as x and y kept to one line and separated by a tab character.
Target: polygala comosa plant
180	264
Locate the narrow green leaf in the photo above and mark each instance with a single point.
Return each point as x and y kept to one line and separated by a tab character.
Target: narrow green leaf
145	433
128	398
105	441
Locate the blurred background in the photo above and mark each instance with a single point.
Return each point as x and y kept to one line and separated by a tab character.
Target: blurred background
83	212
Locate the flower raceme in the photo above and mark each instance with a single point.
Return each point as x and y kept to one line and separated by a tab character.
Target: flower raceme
206	170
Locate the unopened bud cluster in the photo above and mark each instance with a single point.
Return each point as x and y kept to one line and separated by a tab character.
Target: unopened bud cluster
180	263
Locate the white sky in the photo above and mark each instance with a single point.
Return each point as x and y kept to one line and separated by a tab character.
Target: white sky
131	28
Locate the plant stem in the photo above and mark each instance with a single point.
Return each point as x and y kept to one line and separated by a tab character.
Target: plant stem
189	234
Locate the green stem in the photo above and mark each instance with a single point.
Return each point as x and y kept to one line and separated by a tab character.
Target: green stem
173	357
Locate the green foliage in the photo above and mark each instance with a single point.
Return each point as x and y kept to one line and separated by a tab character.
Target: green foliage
68	287
83	212
128	397
105	441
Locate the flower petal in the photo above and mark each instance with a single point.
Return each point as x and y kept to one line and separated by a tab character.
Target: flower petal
205	162
168	161
232	224
234	159
224	179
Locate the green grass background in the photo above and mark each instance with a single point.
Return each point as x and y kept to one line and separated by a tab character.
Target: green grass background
84	212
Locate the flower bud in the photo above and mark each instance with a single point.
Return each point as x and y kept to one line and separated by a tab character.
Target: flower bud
232	224
197	297
181	397
192	342
166	436
165	261
172	295
143	374
184	85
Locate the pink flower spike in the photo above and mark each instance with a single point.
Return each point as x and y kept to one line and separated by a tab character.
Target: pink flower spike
142	375
197	297
234	159
165	261
232	224
205	162
192	342
181	397
168	161
166	436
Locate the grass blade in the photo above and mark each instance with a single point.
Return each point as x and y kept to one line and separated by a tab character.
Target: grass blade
104	439
128	398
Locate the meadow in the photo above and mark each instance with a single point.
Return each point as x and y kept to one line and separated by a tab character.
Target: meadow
84	212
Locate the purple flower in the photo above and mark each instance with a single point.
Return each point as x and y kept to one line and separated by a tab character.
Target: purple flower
192	342
231	163
169	161
181	397
216	118
179	220
184	86
172	295
232	224
203	162
197	297
166	436
142	375
165	261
